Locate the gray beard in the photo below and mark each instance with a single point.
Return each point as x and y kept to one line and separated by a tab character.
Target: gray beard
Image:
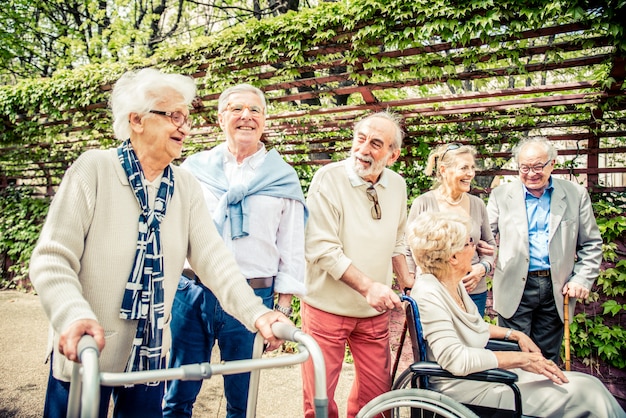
375	168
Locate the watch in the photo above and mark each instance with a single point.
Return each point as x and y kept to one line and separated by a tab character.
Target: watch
285	311
508	334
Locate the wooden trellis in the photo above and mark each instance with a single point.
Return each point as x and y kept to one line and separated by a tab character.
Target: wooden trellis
489	94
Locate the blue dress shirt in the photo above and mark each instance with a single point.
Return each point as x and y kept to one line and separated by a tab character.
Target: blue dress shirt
538	214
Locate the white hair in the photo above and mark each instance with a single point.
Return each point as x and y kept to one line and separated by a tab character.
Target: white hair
138	91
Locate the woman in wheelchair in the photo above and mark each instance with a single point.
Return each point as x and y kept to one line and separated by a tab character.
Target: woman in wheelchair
456	334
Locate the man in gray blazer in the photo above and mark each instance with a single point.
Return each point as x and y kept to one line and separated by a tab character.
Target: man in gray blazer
549	246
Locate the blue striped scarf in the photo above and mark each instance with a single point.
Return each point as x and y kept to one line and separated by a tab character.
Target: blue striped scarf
143	297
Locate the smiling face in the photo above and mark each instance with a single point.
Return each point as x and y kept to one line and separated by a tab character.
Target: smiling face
243	130
458	176
372	148
534	155
156	140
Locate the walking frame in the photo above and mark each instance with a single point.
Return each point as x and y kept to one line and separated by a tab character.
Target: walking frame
84	396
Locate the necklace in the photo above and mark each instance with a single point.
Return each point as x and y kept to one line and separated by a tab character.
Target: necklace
455	295
450	201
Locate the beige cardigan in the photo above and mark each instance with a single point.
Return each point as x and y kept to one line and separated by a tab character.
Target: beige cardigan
82	261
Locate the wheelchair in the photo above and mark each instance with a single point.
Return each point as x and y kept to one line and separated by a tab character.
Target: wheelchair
411	395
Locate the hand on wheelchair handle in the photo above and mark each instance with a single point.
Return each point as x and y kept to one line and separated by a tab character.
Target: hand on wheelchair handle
382	298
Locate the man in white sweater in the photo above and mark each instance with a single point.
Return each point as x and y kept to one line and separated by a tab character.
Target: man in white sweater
354	240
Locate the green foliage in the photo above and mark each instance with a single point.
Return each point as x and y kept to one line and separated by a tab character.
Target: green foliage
592	340
591	335
613	279
21	220
66	113
612	224
611	220
40	37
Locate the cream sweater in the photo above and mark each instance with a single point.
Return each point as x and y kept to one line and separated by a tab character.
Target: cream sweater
456	340
341	231
82	261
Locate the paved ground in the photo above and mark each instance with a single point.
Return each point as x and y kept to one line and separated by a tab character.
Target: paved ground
23	374
23	337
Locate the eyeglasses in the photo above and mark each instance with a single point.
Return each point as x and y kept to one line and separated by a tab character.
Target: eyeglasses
177	118
535	169
237	108
450	147
373	196
470	242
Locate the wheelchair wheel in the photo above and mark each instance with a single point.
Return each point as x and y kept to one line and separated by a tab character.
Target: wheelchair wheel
412	403
405	380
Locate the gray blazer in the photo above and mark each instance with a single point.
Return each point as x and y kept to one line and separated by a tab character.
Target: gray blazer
575	244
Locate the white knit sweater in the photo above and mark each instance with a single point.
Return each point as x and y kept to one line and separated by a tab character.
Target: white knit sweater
82	261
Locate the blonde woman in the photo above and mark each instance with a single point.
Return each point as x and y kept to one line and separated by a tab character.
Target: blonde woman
456	335
454	167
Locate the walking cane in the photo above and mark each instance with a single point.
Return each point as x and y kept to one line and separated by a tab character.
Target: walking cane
566	323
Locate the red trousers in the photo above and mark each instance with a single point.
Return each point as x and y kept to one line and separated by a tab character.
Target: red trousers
368	339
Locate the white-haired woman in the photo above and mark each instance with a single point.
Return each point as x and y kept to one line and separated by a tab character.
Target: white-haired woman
115	241
454	167
456	336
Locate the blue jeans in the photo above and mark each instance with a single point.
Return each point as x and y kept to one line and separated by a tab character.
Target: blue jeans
480	299
197	321
131	402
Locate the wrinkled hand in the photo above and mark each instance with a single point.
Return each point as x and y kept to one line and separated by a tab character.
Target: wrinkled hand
68	340
536	363
575	290
484	249
471	280
526	344
264	325
382	298
408	283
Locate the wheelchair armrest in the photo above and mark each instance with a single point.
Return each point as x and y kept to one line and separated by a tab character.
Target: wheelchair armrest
494	376
502	345
429	368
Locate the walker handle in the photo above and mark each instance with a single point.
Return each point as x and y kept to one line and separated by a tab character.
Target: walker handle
285	331
291	333
84	394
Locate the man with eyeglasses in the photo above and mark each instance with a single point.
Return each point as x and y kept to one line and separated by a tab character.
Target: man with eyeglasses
549	246
256	202
354	243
